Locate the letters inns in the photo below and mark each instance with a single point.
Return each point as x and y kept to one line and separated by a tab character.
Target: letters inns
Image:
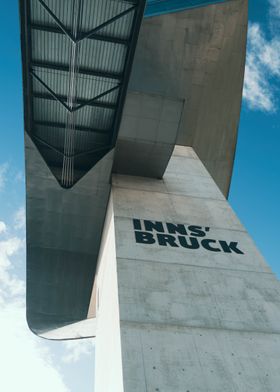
179	235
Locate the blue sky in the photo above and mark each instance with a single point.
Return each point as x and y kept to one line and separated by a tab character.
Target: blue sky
255	187
255	194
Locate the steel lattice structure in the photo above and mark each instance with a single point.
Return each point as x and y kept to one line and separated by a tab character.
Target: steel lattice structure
77	66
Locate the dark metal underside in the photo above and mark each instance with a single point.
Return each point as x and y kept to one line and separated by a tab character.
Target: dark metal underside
77	56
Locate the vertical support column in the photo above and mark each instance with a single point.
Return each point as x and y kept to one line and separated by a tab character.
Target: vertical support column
108	361
195	306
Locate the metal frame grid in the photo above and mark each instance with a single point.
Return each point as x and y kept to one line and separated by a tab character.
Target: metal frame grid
77	57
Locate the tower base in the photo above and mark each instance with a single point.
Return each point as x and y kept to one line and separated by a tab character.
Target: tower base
185	302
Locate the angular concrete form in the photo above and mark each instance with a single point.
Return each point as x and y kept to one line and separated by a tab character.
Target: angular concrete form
83	122
186	86
130	237
171	318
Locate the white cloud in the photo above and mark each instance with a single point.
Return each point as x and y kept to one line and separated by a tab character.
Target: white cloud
3	227
27	363
76	349
19	218
256	90
274	8
262	66
3	173
10	285
20	176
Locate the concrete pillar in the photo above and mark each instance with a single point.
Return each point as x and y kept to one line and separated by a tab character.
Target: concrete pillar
186	302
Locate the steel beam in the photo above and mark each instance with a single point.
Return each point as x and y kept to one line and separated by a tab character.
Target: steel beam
97	37
83	71
77	128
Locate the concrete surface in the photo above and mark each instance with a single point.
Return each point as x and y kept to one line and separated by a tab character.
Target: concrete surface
63	236
197	57
190	320
186	87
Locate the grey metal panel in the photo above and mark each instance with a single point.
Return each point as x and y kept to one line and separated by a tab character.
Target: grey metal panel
97	12
49	47
77	57
89	116
86	86
63	236
93	51
56	136
198	56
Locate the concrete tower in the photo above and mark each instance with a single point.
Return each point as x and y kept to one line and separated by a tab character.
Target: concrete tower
130	134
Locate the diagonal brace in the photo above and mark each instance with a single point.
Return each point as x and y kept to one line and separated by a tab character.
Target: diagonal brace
57	21
89	33
71	110
109	21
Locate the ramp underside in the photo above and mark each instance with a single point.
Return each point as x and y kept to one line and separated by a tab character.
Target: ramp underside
77	57
64	230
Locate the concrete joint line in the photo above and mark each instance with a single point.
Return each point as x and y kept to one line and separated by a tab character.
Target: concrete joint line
183	327
198	266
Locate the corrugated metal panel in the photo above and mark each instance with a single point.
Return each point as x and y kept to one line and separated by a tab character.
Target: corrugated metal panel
86	87
89	116
55	136
107	56
121	28
51	48
79	56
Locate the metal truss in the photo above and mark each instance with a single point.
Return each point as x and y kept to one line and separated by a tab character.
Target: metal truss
71	102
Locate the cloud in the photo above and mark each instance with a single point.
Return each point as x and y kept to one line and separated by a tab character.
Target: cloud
20	176
10	285
274	8
19	218
3	172
3	227
27	363
76	349
262	68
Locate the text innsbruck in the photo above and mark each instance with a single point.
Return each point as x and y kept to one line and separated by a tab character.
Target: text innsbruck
179	235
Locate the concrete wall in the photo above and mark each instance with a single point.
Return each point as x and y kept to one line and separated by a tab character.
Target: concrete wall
196	56
108	363
63	235
191	320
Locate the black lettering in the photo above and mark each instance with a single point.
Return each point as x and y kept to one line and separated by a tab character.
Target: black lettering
197	231
150	226
173	229
194	244
144	238
164	239
206	244
137	224
232	246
